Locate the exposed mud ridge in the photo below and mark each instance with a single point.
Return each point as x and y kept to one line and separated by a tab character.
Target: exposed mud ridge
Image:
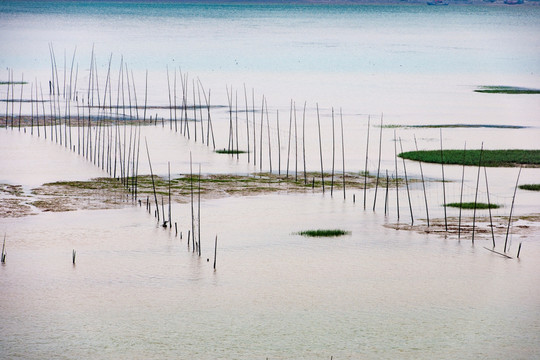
521	226
110	193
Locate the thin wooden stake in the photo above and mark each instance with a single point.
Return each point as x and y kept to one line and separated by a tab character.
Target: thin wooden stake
320	147
386	195
489	208
289	143
461	193
378	166
443	185
342	151
476	193
304	141
511	209
152	176
406	183
365	168
333	155
423	183
397	181
215	252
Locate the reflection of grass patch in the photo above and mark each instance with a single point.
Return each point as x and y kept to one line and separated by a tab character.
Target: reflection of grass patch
470	205
493	158
230	152
533	187
324	233
506	90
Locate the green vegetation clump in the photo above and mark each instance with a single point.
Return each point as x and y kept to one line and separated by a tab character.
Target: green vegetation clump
470	205
506	90
491	158
532	187
323	233
230	152
455	126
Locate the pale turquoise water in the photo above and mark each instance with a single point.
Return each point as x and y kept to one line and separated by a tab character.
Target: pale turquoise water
137	292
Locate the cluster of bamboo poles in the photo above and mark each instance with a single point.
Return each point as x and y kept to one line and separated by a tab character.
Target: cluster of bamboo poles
102	134
194	234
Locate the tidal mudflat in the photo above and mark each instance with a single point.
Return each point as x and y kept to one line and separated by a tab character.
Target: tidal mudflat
158	176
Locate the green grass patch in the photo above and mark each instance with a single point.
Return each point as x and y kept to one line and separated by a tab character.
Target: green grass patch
506	90
323	233
471	205
532	187
13	83
491	158
457	126
230	152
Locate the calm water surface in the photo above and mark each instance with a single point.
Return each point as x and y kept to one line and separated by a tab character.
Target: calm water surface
137	291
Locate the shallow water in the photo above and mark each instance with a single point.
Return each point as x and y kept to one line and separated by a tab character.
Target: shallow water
138	291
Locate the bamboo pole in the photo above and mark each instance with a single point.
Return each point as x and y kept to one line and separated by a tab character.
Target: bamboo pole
37	109
261	139
489	208
21	100
396	168
71	74
443	185
254	128
295	145
170	101
145	95
107	84
3	255
247	124
289	142
230	145
200	110
278	143
32	108
476	192
365	168
304	141
406	183
174	96
320	147
194	111
461	193
163	212
129	93
199	212
191	192
64	93
7	98
135	96
511	209
169	167
152	176
333	155
423	183
236	123
378	166
386	194
137	164
43	108
215	252
342	151
268	131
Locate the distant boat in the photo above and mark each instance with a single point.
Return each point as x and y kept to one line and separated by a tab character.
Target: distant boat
513	2
437	2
